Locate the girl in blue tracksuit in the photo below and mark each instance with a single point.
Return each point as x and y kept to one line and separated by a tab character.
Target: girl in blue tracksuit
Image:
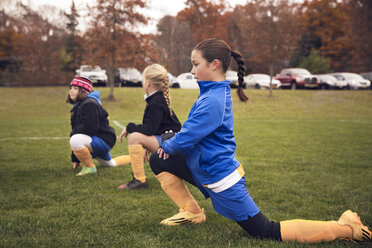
203	153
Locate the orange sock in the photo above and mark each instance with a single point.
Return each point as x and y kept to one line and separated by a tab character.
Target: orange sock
308	231
136	153
83	154
176	189
122	160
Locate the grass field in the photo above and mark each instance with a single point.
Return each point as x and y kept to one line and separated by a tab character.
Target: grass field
307	154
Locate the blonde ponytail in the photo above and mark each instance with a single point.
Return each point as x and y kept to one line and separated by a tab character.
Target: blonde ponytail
159	78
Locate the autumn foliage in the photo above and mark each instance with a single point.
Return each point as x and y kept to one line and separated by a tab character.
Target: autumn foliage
270	35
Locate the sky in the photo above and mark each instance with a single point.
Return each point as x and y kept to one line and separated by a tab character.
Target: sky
158	8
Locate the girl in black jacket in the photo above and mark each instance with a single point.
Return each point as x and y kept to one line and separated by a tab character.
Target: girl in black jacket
157	119
91	134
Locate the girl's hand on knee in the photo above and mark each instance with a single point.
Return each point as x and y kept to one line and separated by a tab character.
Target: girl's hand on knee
162	154
123	133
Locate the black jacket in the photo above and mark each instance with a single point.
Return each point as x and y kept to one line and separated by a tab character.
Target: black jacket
157	118
90	118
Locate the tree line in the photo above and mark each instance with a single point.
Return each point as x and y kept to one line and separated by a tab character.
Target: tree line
320	35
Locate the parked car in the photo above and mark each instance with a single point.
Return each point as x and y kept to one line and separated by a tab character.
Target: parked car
95	73
367	75
297	78
352	80
128	77
328	81
187	81
172	81
232	76
261	81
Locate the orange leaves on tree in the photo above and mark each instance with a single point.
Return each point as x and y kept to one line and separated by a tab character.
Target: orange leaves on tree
206	19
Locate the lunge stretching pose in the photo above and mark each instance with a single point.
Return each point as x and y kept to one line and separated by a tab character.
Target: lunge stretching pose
208	144
157	118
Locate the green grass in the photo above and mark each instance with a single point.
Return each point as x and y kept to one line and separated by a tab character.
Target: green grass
307	154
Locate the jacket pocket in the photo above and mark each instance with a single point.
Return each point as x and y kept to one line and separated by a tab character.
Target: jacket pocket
196	159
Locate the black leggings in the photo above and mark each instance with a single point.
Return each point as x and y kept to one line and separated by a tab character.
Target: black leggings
258	226
175	165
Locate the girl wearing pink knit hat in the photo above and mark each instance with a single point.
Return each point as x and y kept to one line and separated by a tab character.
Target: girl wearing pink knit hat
91	135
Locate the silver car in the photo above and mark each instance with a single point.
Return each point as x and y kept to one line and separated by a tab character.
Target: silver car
328	81
187	81
353	80
261	81
95	73
129	77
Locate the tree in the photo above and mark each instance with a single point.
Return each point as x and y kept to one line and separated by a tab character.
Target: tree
315	63
176	42
235	33
206	19
35	45
9	42
270	33
325	28
72	55
360	35
111	40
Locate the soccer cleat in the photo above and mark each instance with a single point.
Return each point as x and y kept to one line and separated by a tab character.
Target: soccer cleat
184	217
134	184
86	171
360	232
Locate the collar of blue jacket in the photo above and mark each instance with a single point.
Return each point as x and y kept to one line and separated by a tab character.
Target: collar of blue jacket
206	85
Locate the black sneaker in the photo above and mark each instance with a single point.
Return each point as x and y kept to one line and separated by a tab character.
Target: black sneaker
134	184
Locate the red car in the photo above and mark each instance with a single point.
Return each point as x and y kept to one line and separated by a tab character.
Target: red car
297	78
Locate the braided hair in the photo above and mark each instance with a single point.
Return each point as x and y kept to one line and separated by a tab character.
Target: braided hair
159	78
241	70
213	48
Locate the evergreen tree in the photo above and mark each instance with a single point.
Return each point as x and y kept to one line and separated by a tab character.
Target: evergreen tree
71	57
315	63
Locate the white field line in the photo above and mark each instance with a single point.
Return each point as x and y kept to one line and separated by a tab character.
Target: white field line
310	120
118	124
34	138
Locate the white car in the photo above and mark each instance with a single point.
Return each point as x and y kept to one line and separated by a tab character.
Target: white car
353	80
328	81
172	81
367	75
187	81
129	77
261	81
95	73
232	76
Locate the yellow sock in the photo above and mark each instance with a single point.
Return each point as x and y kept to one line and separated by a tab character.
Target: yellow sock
308	231
122	160
136	153
176	189
83	154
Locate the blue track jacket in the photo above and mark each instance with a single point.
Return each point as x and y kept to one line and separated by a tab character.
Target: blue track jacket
207	138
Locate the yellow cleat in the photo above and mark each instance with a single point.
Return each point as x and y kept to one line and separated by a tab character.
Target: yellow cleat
360	232
184	217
